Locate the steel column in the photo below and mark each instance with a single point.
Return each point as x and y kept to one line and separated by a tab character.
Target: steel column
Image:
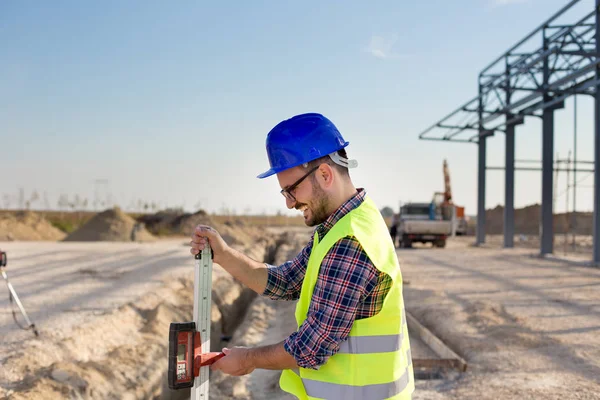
509	172
509	191
596	232
481	177
546	228
481	191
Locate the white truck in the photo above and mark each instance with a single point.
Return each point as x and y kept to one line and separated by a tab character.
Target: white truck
422	223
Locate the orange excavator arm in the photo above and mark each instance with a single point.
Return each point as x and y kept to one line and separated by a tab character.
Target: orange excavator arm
447	188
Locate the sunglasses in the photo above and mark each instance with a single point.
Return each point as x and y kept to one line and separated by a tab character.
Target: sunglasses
287	192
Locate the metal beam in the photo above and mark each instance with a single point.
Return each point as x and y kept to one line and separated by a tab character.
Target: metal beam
596	224
463	127
509	191
546	220
551	105
509	173
591	54
576	74
535	169
547	228
569	44
542	26
483	135
481	191
459	109
448	140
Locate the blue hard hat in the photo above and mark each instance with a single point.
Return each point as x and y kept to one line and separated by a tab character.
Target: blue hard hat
301	139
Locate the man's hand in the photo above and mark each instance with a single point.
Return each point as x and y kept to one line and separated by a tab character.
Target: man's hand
248	271
205	234
236	362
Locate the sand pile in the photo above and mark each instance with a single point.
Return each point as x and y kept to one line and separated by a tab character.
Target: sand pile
27	225
527	221
235	231
173	222
111	225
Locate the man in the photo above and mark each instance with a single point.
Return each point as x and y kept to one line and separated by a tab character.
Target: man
351	341
394	227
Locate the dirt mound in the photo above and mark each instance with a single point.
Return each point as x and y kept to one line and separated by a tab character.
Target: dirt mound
235	231
527	221
174	222
27	225
111	225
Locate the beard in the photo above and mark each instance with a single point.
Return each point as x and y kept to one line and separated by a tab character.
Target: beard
317	207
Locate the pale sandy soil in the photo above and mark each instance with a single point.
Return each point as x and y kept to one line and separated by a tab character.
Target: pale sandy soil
103	311
529	328
563	246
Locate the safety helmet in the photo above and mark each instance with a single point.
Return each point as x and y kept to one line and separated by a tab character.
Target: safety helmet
301	139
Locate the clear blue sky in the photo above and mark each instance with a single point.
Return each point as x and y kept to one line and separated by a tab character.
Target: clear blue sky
171	101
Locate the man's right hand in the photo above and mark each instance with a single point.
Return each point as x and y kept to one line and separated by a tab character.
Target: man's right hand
204	234
248	271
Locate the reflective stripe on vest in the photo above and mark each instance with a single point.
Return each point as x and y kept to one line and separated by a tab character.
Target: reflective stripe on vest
326	390
371	344
379	391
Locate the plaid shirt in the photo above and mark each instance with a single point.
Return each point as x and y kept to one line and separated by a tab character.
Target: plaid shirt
349	287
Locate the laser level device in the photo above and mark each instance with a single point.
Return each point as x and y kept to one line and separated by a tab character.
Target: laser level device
189	342
185	355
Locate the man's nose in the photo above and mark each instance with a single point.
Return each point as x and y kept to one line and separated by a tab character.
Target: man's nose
289	203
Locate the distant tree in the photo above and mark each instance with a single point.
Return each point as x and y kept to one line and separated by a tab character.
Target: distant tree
63	202
6	199
46	202
77	202
387	212
33	199
21	198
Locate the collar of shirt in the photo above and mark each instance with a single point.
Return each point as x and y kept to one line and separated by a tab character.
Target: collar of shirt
344	209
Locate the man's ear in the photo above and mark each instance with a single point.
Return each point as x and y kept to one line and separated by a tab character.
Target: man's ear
325	175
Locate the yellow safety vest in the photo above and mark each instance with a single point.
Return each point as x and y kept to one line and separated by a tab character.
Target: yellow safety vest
375	362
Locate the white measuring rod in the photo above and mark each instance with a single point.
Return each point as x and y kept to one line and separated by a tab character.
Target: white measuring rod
202	312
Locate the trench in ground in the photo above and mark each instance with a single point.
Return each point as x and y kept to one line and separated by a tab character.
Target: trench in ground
232	305
132	362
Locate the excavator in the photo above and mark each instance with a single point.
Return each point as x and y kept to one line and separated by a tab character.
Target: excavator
444	206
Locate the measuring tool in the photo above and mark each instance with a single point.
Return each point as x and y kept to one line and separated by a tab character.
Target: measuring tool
189	342
13	295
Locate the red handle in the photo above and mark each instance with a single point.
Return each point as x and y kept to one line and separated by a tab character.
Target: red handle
203	359
210	358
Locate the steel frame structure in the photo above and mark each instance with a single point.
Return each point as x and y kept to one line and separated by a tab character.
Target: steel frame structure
531	81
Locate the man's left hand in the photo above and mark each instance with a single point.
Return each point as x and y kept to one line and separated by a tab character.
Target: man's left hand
236	362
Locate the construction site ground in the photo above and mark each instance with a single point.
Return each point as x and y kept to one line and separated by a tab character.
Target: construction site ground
529	328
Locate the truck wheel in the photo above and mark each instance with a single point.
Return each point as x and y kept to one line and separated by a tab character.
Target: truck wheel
440	243
407	244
